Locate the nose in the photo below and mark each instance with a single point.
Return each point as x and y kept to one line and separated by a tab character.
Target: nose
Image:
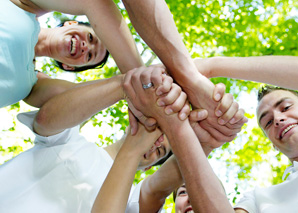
278	119
84	47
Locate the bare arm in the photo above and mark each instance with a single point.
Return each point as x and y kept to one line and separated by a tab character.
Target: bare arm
157	187
105	19
202	184
276	70
77	104
114	192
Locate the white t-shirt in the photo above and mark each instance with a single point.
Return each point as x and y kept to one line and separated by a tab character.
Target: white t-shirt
60	174
281	198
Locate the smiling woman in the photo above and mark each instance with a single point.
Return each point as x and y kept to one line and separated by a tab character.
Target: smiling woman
73	45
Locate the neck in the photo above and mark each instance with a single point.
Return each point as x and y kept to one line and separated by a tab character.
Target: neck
114	148
42	47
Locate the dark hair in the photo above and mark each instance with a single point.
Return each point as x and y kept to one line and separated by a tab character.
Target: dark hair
161	161
264	90
83	68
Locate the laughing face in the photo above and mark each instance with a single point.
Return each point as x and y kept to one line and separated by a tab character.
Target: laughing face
182	204
76	45
277	115
156	153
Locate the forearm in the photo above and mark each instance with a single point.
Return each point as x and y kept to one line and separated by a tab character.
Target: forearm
75	105
201	182
110	26
153	21
114	192
157	187
276	70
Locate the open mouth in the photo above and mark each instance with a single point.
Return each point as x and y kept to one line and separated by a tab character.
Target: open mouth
286	130
73	46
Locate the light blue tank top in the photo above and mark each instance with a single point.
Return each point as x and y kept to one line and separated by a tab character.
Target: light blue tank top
19	31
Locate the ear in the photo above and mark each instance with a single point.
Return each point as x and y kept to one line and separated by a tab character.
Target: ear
66	67
68	23
147	168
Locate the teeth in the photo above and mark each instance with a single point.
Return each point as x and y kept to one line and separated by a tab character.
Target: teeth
73	46
288	129
190	211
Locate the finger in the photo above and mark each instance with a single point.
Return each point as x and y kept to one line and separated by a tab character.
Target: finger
198	115
185	111
136	82
170	97
150	124
156	76
229	114
145	76
166	85
225	103
127	85
177	105
219	91
237	117
133	123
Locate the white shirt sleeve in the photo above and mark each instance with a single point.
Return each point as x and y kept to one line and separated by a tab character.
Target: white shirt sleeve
63	137
247	202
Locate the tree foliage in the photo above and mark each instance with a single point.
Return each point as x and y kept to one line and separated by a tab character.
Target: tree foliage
208	28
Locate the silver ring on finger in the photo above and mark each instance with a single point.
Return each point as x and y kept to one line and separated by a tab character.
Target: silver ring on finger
147	86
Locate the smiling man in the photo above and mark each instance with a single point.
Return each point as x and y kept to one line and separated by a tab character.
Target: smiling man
277	114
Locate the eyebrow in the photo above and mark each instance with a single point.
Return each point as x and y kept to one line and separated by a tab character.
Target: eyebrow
275	105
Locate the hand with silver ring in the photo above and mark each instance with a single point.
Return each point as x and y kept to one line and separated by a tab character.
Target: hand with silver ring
147	86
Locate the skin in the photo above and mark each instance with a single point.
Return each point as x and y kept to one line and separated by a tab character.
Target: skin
276	112
131	153
149	18
157	187
265	69
182	203
56	43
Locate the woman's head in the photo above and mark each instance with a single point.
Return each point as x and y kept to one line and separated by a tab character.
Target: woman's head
76	47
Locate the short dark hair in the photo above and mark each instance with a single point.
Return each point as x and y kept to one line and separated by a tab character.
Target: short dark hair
83	68
266	89
161	161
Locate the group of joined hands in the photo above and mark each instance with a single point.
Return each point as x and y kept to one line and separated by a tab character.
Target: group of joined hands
155	100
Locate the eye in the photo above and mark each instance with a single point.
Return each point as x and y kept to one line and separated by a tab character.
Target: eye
268	123
158	152
89	56
90	37
286	108
182	192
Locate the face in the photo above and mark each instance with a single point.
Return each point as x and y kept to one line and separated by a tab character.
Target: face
76	45
278	117
182	204
157	152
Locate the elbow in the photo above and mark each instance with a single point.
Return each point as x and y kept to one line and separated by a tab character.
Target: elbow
41	124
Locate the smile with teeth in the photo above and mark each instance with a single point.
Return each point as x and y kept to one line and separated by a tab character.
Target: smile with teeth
189	211
73	46
287	129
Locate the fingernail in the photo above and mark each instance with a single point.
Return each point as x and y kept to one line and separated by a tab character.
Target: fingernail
160	103
218	113
158	92
217	97
169	111
232	121
201	114
221	121
183	116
